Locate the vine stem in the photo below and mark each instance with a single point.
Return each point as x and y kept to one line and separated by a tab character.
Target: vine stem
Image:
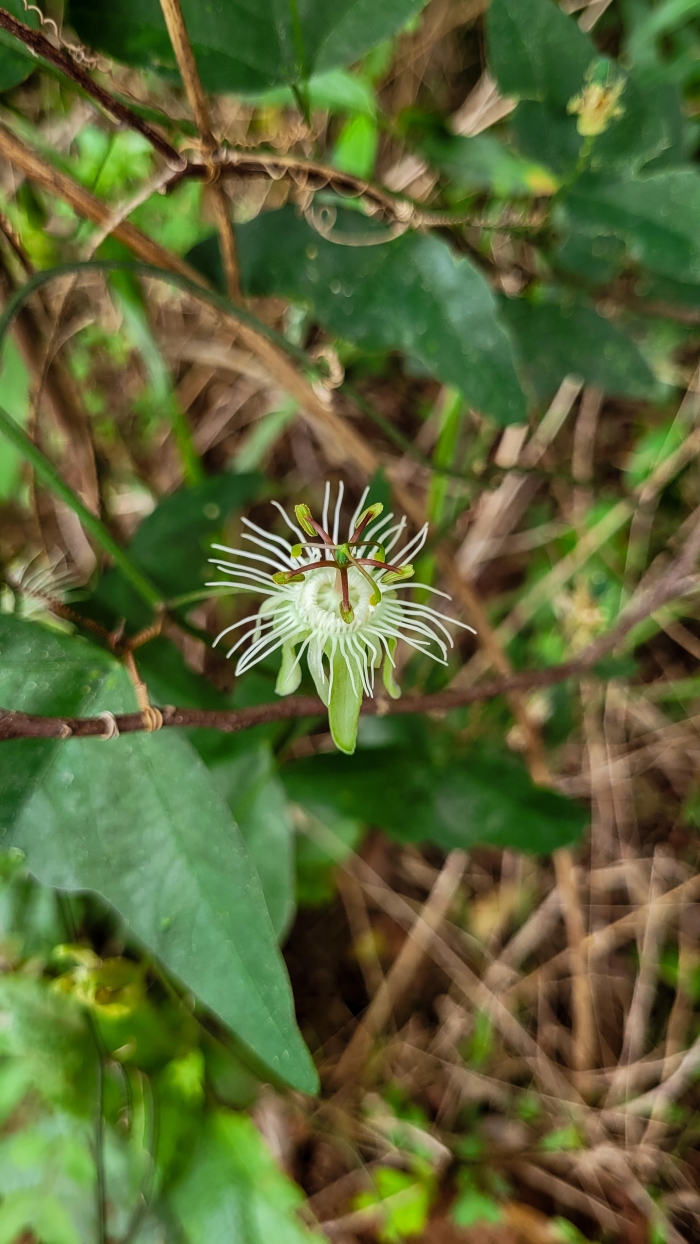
41	46
177	30
341	443
49	476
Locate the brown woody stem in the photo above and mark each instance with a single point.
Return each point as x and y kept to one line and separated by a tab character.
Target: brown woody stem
39	44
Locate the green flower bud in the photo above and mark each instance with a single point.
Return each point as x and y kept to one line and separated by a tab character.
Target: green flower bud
304	516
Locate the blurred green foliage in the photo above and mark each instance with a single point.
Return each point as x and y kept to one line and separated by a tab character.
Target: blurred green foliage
143	997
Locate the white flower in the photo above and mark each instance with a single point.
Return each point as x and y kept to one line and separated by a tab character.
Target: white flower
337	603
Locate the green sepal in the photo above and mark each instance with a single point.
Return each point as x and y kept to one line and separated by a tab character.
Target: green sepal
289	676
390	685
344	705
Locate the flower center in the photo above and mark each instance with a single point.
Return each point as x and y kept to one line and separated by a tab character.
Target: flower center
318	601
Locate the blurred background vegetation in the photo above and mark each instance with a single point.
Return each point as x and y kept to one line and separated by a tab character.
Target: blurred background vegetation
461	265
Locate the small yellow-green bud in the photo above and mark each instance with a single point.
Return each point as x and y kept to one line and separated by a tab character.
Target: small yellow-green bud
304	516
396	576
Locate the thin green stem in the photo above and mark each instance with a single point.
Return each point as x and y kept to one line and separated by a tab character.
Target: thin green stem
49	476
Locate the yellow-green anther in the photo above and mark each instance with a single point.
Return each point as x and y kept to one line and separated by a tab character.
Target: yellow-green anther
369	515
304	517
395	576
282	577
347	614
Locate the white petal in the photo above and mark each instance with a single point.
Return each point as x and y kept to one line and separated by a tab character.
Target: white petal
336	518
292	526
314	662
353	521
414	546
268	535
270	548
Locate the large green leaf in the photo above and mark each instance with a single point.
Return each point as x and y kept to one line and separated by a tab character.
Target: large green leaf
243	771
173	544
232	1190
555	341
658	217
650	127
244	47
536	51
412	294
483	163
478	797
16	61
138	821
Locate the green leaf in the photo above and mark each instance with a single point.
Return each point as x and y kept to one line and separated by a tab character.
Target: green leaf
404	1199
16	61
658	217
315	865
472	1207
243	771
45	1032
174	539
243	47
174	543
344	705
356	148
412	294
47	1175
478	797
651	127
555	341
232	1190
593	261
14	386
483	163
535	51
138	821
546	135
336	91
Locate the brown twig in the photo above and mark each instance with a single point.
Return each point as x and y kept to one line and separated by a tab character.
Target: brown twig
404	967
41	46
21	725
55	385
189	73
340	442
